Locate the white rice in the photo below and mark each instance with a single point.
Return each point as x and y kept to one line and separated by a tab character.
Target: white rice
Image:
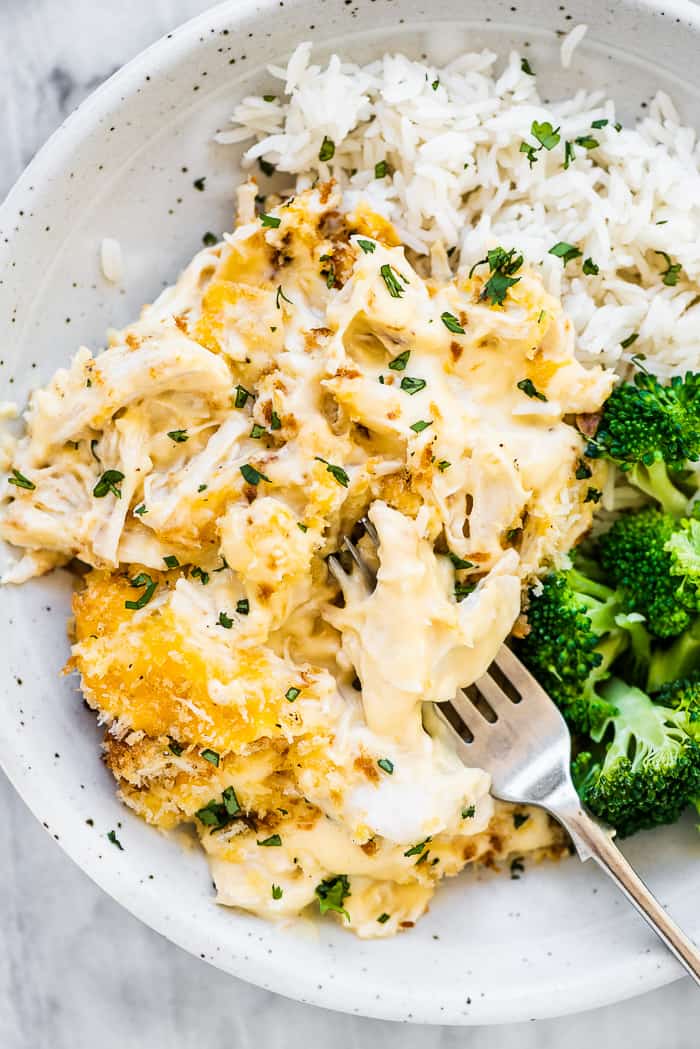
111	260
452	136
570	43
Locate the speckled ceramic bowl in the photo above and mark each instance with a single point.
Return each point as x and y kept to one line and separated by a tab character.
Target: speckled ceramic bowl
124	165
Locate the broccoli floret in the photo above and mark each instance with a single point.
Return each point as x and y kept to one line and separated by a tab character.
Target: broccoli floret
677	660
683	549
574	637
633	553
652	432
645	768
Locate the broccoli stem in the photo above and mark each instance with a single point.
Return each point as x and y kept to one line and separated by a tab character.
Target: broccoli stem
654	480
677	660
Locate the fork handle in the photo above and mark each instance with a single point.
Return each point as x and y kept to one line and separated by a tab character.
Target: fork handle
592	841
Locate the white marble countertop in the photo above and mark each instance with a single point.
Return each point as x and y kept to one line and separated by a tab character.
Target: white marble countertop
75	970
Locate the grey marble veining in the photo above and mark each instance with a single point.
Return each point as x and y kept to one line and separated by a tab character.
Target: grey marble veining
76	971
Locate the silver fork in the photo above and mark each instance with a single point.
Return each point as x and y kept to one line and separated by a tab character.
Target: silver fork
506	724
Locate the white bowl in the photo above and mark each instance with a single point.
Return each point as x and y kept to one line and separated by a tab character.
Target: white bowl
491	949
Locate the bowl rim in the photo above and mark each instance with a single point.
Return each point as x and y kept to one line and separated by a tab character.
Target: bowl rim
267	971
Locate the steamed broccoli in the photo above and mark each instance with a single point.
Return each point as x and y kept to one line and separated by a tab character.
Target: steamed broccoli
683	548
677	660
576	631
644	766
634	554
652	432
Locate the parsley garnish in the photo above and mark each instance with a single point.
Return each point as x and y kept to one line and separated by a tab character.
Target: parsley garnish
587	141
242	396
526	67
224	621
209	240
253	476
276	892
583	471
202	487
243	606
257	432
394	288
171	561
599	123
421	425
112	836
142	579
292	693
270	221
302	527
266	167
671	275
327	150
335	471
435	84
590	268
199	573
332	893
569	154
218	814
526	147
519	818
380	169
502	264
528	387
141	510
411	385
275	421
451	323
517	868
175	747
108	483
463	590
468	813
386	766
178	436
383	918
20	481
547	136
272	841
399	363
280	295
565	252
416	850
444	465
459	562
211	756
368	246
593	495
629	340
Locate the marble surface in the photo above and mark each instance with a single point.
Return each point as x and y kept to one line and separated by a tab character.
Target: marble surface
75	970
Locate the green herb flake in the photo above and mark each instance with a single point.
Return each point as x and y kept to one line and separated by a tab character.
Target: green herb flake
269	98
174	747
275	421
302	527
398	364
671	275
243	606
253	476
292	693
519	818
20	481
502	265
218	814
242	396
276	892
171	561
517	867
383	918
597	124
569	154
386	766
443	465
178	436
141	580
547	136
108	483
416	850
565	252
257	432
421	425
435	84
336	472
412	386
271	842
526	67
593	495
629	340
459	562
225	621
463	590
394	287
270	221
210	239
331	894
452	324
280	295
528	387
266	167
368	246
587	142
199	183
530	151
141	510
202	488
381	169
112	836
327	150
199	573
211	756
469	812
583	471
590	268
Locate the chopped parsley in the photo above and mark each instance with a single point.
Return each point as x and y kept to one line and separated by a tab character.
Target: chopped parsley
199	573
381	169
411	385
435	84
211	756
20	481
107	483
451	323
416	850
270	221
528	387
202	487
583	471
590	268
327	150
243	606
531	151
502	264
459	562
329	271
517	867
276	892
253	476
141	580
112	836
302	527
275	421
444	465
209	239
292	693
519	818
383	918
463	590
225	621
368	246
593	495
671	275
386	766
526	67
565	252
337	472
171	561
599	123
218	814
629	340
547	136
280	295
421	425
399	363
332	893
394	287
468	813
569	154
270	842
266	167
141	510
178	436
257	432
587	141
242	396
174	747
